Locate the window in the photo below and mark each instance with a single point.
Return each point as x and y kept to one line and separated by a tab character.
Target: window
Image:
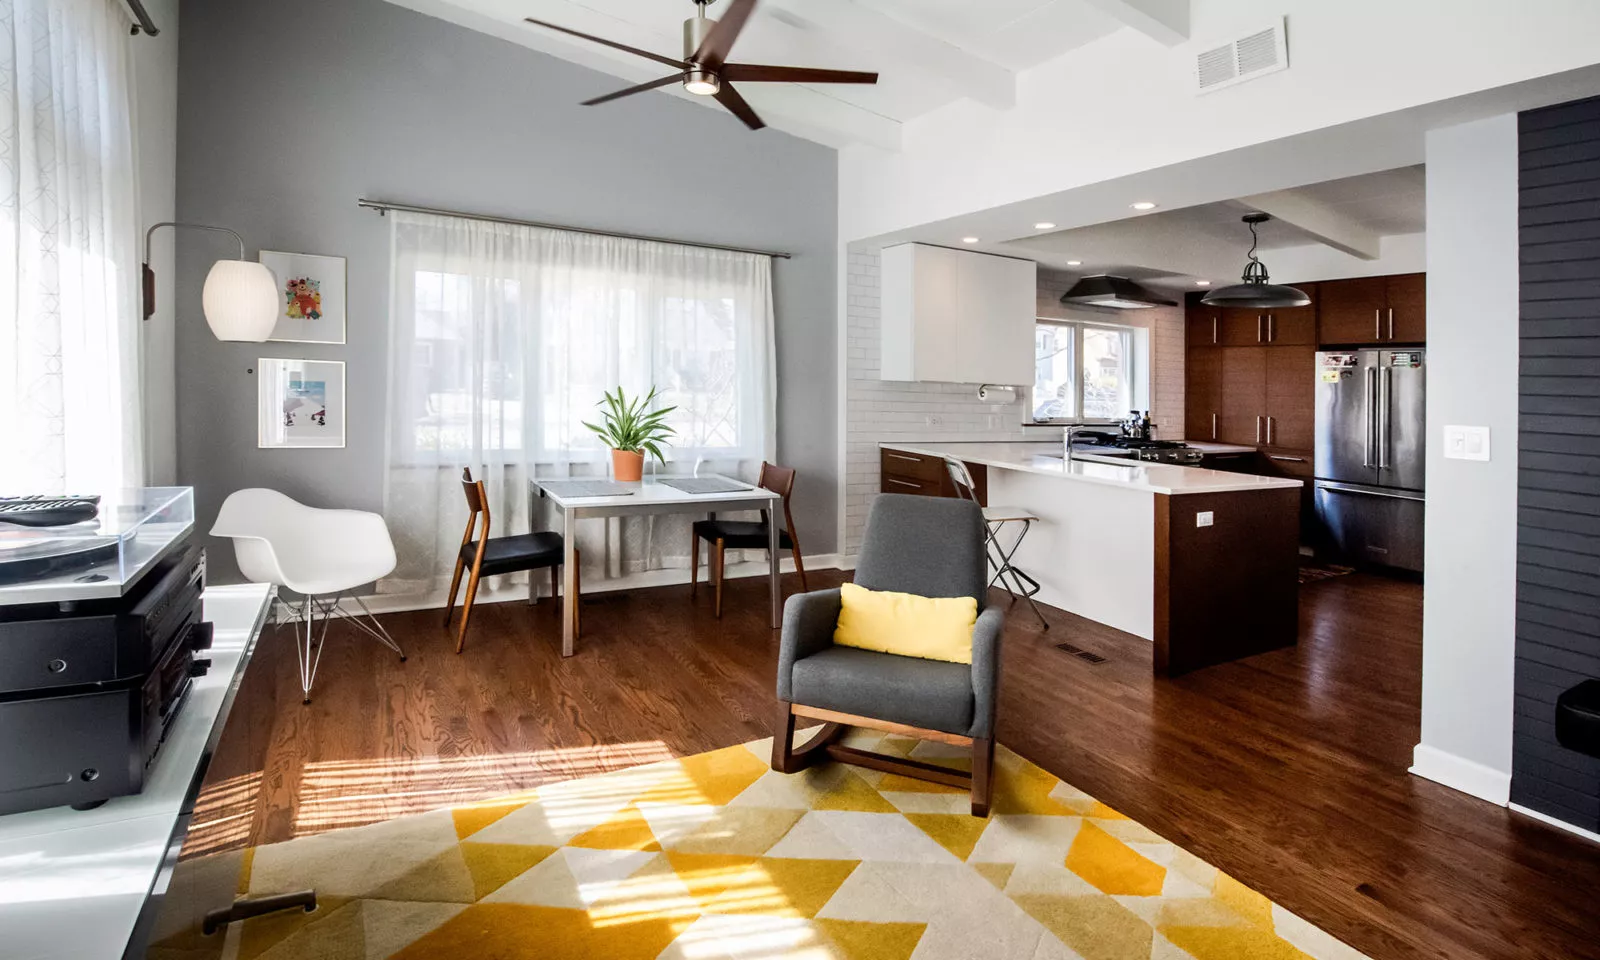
1089	371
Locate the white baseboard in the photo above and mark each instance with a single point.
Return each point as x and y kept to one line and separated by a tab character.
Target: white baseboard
1459	773
847	562
1561	824
501	593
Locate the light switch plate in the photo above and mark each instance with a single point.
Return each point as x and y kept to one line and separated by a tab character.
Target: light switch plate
1466	443
1203	518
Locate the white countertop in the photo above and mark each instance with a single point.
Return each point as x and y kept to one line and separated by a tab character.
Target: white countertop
1045	459
73	882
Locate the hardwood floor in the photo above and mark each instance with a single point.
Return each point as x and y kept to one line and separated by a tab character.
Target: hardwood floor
1287	770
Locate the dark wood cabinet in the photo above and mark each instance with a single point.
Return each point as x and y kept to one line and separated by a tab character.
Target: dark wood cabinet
1373	310
1202	398
1244	390
1294	326
1408	308
1290	397
919	474
1243	328
1204	325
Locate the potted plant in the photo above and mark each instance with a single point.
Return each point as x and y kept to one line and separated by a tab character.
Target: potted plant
631	430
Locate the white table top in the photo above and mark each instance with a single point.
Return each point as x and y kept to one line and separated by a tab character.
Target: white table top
651	494
1045	459
72	883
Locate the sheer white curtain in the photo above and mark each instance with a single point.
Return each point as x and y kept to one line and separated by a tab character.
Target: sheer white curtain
69	321
502	340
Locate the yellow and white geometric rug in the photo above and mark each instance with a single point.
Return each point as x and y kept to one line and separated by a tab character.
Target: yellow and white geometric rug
717	857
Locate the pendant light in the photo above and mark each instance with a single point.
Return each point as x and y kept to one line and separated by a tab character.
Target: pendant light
1257	290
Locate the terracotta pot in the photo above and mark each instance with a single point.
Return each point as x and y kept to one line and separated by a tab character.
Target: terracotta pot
627	465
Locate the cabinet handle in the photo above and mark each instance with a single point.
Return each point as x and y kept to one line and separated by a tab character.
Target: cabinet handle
1391	323
1213	329
1258	328
1287	459
904	483
1269	430
1272	334
1213	426
1258	429
1377	324
901	456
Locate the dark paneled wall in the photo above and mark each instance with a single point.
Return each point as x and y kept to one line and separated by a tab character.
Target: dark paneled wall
1558	525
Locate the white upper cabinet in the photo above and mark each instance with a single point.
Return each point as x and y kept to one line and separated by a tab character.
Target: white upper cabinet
956	316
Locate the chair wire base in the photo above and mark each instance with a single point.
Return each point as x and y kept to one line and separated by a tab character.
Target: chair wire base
309	641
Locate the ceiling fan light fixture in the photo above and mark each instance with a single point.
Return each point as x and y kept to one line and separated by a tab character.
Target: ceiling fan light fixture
1257	291
701	83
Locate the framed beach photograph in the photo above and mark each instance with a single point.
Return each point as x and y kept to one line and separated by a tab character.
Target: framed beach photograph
311	297
300	403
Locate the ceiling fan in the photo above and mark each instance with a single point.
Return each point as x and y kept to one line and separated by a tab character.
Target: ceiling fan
705	70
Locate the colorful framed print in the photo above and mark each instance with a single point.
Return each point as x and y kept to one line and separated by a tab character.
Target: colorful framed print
300	403
311	297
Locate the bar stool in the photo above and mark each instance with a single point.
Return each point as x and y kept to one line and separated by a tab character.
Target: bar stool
994	521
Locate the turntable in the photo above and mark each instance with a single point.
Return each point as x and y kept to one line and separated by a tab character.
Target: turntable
87	548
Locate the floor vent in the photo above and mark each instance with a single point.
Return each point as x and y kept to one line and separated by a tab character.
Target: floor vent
1255	54
1080	653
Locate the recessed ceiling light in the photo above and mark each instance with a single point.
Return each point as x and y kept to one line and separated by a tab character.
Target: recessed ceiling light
1044	225
1202	283
1074	263
969	239
1143	205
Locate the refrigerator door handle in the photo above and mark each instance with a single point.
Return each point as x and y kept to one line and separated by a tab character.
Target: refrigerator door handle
1366	423
1384	426
1335	487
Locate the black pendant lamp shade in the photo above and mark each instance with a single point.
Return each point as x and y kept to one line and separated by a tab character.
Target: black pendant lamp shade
1257	291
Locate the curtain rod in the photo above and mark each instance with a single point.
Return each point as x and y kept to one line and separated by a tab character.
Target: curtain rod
140	14
384	207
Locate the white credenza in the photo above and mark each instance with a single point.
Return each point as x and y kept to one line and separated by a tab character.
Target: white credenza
956	316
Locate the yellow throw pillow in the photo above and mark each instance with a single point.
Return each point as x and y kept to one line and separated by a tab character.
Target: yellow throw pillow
932	628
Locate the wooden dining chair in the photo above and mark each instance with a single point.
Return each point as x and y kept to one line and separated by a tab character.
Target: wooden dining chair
746	534
491	556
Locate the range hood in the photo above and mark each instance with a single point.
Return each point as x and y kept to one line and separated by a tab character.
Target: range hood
1117	292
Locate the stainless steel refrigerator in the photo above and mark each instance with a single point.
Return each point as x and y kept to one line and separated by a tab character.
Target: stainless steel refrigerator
1371	426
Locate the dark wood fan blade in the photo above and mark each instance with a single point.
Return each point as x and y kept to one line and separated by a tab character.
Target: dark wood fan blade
658	58
730	98
641	88
714	49
765	73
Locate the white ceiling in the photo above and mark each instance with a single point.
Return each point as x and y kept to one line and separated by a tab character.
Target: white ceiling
927	52
1209	241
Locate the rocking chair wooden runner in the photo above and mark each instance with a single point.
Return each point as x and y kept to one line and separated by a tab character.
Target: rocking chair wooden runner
927	546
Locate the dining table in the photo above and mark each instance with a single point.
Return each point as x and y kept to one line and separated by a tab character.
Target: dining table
587	498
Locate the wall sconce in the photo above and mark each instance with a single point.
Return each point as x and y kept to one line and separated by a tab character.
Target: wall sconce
240	297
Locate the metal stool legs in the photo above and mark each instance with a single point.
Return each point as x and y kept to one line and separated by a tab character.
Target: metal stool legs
1020	585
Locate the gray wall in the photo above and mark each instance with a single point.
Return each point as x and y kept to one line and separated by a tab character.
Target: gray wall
289	111
1558	517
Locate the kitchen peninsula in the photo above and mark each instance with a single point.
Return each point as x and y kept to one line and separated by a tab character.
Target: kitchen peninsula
1201	562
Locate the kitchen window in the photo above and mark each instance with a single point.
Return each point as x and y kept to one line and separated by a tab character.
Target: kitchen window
1089	372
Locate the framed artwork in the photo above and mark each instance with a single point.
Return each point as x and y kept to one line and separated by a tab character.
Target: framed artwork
300	403
310	297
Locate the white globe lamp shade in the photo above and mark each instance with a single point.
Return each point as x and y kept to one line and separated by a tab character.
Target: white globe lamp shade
240	300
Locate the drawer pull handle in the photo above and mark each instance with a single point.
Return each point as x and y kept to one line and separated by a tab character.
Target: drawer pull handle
901	456
56	666
1289	459
904	483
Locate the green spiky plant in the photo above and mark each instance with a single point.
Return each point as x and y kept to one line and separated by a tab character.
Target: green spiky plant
631	425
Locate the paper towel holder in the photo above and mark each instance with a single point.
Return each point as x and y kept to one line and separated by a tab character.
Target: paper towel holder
996	393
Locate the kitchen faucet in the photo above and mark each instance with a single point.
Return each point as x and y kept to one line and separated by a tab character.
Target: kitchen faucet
1067	433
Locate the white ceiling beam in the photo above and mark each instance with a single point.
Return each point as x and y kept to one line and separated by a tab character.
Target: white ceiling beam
1327	224
944	63
1165	21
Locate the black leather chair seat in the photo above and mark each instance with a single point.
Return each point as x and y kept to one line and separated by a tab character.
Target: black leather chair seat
512	554
740	534
1578	718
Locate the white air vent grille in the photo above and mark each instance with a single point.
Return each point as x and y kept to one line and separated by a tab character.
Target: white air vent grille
1255	54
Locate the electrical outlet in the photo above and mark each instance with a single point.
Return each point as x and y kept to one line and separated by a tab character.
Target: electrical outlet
1203	518
934	421
1466	443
